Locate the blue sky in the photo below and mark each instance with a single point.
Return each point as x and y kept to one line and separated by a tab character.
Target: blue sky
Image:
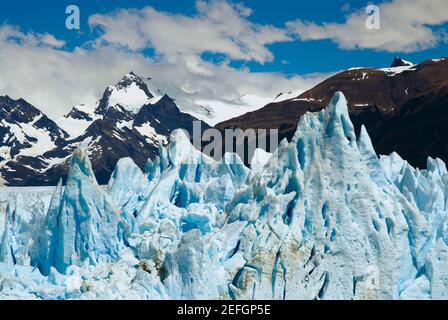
301	57
305	38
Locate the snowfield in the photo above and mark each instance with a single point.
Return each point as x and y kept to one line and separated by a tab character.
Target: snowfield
321	218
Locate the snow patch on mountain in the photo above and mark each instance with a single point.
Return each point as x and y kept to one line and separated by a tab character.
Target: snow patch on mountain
219	110
78	120
40	138
44	142
206	106
128	120
282	96
132	98
398	66
397	70
150	133
5	153
399	62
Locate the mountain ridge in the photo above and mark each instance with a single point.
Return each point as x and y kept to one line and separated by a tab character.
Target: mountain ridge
382	99
131	119
128	121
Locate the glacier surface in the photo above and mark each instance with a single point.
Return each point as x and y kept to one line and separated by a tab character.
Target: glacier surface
321	218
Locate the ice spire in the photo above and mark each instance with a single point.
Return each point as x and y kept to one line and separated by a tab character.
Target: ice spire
80	161
181	151
6	254
365	145
6	244
128	188
86	225
48	235
369	156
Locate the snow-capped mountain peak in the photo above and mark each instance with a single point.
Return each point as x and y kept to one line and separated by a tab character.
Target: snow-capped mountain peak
120	101
131	93
130	79
128	121
398	66
399	62
24	130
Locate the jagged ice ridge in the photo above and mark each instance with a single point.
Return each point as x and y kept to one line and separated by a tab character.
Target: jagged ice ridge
322	218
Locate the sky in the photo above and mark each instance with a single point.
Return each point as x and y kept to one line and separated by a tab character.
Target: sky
215	47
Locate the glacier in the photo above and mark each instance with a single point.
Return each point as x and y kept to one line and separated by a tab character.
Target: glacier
323	217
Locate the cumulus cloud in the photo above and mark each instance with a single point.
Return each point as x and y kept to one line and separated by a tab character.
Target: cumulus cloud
14	34
38	68
406	26
54	80
217	27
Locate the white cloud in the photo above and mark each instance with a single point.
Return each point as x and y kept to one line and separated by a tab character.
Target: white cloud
54	80
217	27
405	26
14	34
34	66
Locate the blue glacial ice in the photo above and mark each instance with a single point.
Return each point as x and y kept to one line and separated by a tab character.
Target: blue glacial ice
322	218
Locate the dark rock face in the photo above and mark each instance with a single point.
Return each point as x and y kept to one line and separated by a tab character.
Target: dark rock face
166	117
398	62
112	142
404	109
75	113
116	133
20	112
24	131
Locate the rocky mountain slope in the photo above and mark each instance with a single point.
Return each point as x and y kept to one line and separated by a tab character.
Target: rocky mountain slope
404	108
128	121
